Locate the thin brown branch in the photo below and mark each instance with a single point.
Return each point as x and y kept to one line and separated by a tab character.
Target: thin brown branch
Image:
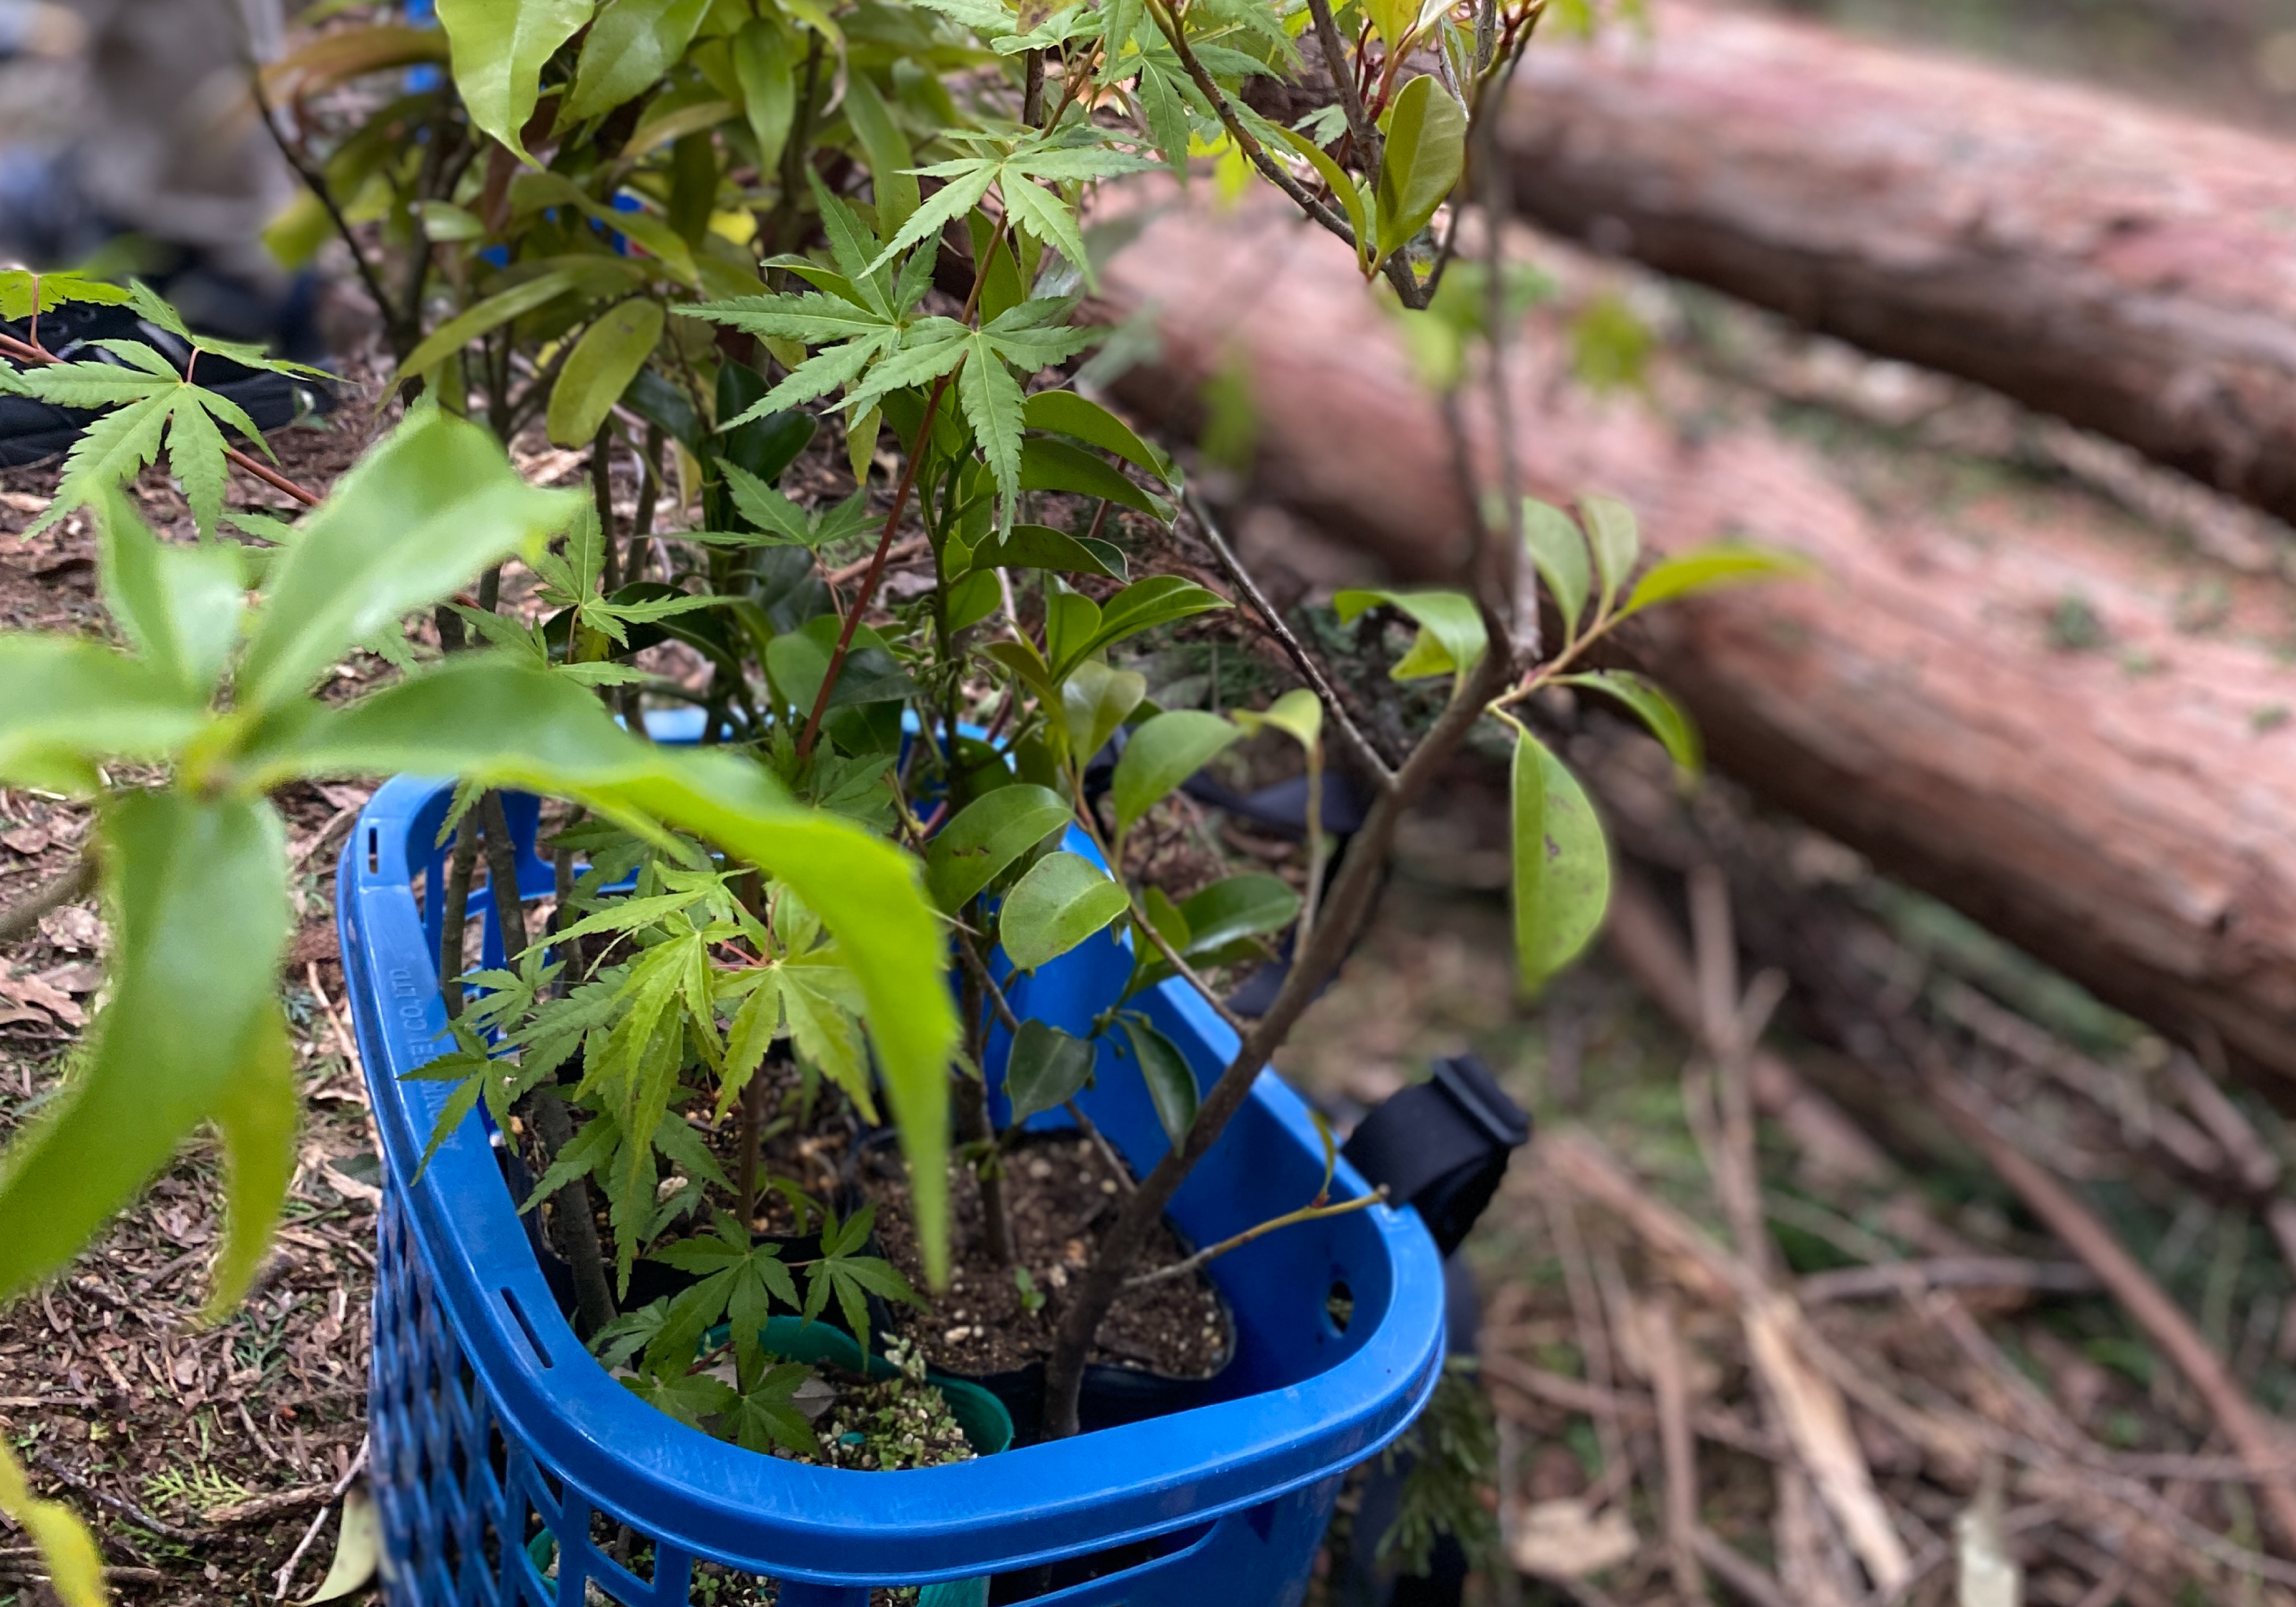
1398	272
126	1508
1306	1213
1595	1402
316	181
1370	147
876	570
69	887
1746	1579
1350	901
1359	745
2253	1438
1084	1124
1945	1272
1678	1449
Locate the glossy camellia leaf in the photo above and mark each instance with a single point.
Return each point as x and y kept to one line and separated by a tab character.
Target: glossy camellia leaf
1711	569
1562	865
65	704
499	724
1247	906
1144	604
1653	708
601	367
1164	752
627	49
1559	552
1616	539
75	1566
1095	701
425	512
1046	1068
1171	1080
1036	546
180	605
1052	465
1065	412
1063	900
1426	152
765	63
500	308
499	47
1356	198
199	891
1451	635
988	836
1298	714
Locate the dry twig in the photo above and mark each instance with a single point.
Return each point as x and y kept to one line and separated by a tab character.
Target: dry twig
2255	1441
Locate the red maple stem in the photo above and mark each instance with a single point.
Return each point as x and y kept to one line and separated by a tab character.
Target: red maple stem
876	568
32	352
900	505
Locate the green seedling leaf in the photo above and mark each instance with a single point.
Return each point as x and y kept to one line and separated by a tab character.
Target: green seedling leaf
1036	546
1095	701
193	1030
502	724
74	1564
1164	752
421	515
600	368
1052	465
179	605
1451	635
1617	541
55	290
1144	604
1065	412
67	703
1356	198
499	49
1063	900
988	836
630	45
1560	552
1046	1068
1711	569
887	149
1653	708
1426	152
1298	714
1247	906
486	316
1562	865
1171	1080
764	64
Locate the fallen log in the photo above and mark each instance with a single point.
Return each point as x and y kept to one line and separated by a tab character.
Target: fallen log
2119	798
2124	267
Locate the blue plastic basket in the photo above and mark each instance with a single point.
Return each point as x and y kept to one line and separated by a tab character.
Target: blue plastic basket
507	1464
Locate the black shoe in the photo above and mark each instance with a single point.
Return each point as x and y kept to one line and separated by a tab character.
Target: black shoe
32	430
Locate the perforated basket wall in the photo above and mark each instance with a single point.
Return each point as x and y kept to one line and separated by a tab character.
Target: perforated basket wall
512	1471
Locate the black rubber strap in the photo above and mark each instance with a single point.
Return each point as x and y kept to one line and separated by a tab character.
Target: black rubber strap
1442	1146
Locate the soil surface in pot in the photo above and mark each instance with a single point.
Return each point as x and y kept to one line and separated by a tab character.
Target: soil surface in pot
1059	1194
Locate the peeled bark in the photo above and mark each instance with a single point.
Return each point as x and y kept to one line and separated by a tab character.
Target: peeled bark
2126	812
2124	267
